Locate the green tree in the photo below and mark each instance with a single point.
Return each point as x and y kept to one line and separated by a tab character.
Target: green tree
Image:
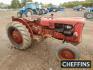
48	5
15	4
76	3
89	0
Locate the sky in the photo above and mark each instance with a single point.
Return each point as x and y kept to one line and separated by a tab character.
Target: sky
55	2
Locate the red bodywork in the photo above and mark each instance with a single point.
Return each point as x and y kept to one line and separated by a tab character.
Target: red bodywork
46	26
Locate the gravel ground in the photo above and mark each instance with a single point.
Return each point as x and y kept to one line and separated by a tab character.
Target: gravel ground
39	56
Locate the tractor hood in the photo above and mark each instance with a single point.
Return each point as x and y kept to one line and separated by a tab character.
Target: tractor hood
72	21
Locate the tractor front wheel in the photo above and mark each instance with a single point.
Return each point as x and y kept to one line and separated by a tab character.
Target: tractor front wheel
62	50
68	51
19	35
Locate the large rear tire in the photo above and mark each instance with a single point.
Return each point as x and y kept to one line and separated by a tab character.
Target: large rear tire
19	35
29	13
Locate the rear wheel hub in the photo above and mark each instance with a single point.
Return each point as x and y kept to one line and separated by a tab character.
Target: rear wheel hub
16	36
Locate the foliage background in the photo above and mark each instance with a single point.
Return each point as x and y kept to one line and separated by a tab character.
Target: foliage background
15	4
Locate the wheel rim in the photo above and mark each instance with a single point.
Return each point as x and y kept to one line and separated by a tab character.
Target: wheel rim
15	36
66	54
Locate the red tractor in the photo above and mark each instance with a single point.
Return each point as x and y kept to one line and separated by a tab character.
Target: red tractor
21	33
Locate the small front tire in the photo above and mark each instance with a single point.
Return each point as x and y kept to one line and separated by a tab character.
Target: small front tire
68	51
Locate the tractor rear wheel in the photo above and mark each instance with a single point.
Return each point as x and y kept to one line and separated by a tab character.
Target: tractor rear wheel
68	51
88	15
19	35
29	13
